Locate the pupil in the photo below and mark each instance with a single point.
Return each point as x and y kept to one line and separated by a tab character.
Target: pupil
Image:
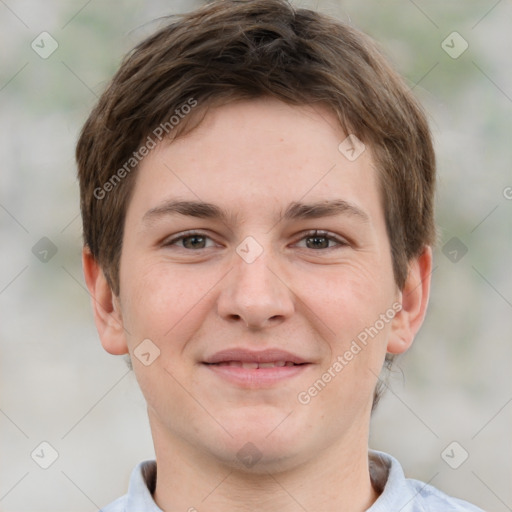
192	242
318	242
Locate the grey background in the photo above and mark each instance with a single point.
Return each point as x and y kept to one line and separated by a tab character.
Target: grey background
57	384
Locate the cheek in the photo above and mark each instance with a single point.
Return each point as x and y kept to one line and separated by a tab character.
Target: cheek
348	303
160	302
167	308
348	298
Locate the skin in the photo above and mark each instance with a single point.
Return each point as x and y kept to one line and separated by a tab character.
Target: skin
252	159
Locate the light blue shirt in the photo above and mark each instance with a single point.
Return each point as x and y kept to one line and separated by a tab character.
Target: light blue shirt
397	492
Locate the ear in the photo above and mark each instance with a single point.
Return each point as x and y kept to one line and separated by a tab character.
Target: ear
105	305
414	299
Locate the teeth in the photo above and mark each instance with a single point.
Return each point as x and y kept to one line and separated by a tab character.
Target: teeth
251	366
255	365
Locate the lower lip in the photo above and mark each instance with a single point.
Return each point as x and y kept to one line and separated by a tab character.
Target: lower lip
256	377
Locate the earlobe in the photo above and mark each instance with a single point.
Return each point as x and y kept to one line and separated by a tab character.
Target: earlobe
414	298
107	315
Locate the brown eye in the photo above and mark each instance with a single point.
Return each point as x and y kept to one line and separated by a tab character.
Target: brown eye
194	242
191	241
321	240
317	242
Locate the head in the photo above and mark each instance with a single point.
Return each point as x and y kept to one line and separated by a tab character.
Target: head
245	107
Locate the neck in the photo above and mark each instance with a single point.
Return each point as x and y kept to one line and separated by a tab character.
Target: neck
189	480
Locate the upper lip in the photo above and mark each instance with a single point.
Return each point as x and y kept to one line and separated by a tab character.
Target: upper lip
250	356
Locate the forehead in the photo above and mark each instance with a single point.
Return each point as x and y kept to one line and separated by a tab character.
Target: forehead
258	156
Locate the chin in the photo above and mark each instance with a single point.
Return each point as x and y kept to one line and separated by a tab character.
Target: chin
260	458
261	448
265	425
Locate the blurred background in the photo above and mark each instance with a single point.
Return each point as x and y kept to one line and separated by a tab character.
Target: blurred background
448	413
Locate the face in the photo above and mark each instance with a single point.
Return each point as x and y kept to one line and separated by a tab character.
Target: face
255	257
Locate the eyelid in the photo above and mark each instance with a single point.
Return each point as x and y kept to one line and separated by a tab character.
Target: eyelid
341	241
171	240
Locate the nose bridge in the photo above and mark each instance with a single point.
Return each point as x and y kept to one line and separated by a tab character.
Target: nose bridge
255	293
255	275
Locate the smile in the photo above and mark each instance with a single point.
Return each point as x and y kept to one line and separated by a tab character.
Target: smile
254	365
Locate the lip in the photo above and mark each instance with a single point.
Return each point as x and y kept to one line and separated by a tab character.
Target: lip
250	356
253	378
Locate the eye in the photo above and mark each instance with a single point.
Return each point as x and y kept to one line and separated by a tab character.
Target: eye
316	239
190	240
322	240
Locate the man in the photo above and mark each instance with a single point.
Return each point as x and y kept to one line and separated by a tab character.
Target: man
257	197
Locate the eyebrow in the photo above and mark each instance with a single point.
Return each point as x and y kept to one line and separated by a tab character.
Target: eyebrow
294	211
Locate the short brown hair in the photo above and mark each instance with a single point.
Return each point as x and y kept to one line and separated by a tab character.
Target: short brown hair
241	49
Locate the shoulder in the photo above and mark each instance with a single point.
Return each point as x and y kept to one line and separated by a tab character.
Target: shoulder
118	505
406	494
140	491
428	498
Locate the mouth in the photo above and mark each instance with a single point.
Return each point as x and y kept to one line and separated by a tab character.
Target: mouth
254	365
253	370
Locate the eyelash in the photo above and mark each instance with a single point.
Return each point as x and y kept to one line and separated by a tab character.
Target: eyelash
309	234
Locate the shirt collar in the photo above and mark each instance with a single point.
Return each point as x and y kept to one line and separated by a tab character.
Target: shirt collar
388	478
141	488
385	472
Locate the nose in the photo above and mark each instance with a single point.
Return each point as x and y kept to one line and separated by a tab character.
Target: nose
256	294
